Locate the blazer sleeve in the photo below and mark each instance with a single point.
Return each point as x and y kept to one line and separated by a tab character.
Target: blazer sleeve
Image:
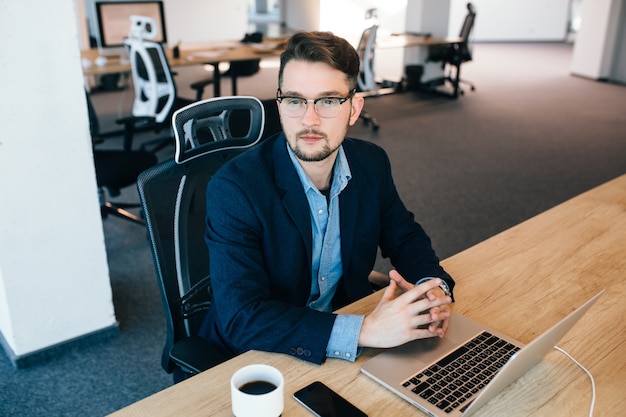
400	237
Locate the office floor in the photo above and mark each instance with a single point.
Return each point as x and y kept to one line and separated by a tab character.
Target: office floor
530	137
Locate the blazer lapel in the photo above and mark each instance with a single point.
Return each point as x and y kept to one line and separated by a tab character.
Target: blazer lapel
293	198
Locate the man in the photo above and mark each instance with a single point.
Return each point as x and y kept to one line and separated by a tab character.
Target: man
293	227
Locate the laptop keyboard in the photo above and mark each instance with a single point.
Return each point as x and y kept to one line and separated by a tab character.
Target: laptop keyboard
455	379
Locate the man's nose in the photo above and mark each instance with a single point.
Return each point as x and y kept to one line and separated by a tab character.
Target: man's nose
310	116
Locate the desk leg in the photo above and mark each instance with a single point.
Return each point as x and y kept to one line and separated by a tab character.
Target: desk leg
217	80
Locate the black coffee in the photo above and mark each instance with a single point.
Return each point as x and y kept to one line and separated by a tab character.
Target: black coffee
257	387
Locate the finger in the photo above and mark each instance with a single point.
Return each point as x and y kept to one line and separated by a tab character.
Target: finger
442	320
419	292
400	281
390	292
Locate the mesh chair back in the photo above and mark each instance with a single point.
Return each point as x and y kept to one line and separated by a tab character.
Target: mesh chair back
468	23
457	53
172	195
155	89
366	49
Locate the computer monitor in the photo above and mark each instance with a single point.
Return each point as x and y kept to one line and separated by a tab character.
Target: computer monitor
114	22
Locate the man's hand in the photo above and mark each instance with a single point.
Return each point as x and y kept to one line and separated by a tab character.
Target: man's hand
397	320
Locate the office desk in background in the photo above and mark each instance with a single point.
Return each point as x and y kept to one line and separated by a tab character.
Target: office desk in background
407	40
521	282
210	53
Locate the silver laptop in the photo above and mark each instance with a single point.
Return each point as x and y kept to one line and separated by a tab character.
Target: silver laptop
456	375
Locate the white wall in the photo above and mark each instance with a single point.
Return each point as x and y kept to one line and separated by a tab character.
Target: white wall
513	20
195	21
302	15
426	16
497	20
54	281
597	38
346	18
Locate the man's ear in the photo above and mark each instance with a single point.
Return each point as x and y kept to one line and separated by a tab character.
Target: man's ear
355	111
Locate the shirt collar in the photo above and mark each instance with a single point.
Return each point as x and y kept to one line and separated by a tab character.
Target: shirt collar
341	175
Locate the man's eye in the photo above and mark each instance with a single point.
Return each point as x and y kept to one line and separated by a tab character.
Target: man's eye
327	102
294	101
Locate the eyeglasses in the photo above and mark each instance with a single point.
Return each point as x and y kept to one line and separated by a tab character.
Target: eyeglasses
326	107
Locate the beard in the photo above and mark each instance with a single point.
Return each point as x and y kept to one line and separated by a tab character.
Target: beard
315	156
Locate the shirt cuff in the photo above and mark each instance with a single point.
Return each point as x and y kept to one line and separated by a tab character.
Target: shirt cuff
344	337
444	285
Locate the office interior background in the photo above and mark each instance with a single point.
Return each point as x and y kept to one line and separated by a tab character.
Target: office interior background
54	275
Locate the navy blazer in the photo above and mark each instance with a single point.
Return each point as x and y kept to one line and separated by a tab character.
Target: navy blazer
260	244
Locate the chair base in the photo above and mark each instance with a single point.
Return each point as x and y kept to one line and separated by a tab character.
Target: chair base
432	86
368	119
455	82
115	209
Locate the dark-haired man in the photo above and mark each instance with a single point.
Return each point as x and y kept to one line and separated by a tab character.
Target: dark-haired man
293	227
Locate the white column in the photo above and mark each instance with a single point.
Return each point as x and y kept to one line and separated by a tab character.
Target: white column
54	280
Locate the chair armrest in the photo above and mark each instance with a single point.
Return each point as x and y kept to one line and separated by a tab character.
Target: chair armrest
201	83
199	87
195	354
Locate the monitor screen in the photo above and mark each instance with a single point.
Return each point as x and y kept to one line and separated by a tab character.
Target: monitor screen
114	20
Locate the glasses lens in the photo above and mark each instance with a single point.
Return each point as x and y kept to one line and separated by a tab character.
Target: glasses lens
328	106
293	106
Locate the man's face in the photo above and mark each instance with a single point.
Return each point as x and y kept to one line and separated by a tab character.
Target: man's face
311	137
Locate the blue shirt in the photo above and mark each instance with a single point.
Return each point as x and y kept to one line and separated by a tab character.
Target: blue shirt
326	257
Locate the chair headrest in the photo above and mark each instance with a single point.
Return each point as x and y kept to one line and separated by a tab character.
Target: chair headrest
142	27
216	124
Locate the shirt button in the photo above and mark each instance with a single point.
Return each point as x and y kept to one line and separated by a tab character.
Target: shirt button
320	212
337	353
323	278
348	354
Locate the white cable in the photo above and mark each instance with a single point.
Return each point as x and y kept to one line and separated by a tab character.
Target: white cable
593	383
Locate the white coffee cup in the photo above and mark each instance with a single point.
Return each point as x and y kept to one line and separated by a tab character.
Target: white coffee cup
257	391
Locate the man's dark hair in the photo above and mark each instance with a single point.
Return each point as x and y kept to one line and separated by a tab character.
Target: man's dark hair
322	47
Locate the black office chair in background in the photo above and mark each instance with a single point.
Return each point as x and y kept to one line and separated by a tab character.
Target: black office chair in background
208	134
454	56
116	169
156	96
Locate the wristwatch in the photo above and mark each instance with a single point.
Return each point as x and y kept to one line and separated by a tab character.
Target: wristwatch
446	290
444	286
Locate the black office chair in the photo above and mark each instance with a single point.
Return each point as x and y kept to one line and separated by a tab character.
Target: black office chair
366	82
156	96
116	169
208	134
454	55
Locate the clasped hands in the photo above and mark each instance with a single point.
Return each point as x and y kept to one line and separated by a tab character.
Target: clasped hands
420	311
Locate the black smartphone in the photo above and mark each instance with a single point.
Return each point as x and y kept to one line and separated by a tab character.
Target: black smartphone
324	402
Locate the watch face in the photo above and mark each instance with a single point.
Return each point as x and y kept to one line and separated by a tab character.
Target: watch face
445	288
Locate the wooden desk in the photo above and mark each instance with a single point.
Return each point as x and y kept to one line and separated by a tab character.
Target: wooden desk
406	40
211	53
521	282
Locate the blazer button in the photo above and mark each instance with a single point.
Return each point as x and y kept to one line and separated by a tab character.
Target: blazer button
300	351
292	351
307	353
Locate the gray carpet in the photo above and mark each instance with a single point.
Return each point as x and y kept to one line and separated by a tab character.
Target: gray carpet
530	137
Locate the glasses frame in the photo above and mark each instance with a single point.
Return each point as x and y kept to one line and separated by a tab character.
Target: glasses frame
342	100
